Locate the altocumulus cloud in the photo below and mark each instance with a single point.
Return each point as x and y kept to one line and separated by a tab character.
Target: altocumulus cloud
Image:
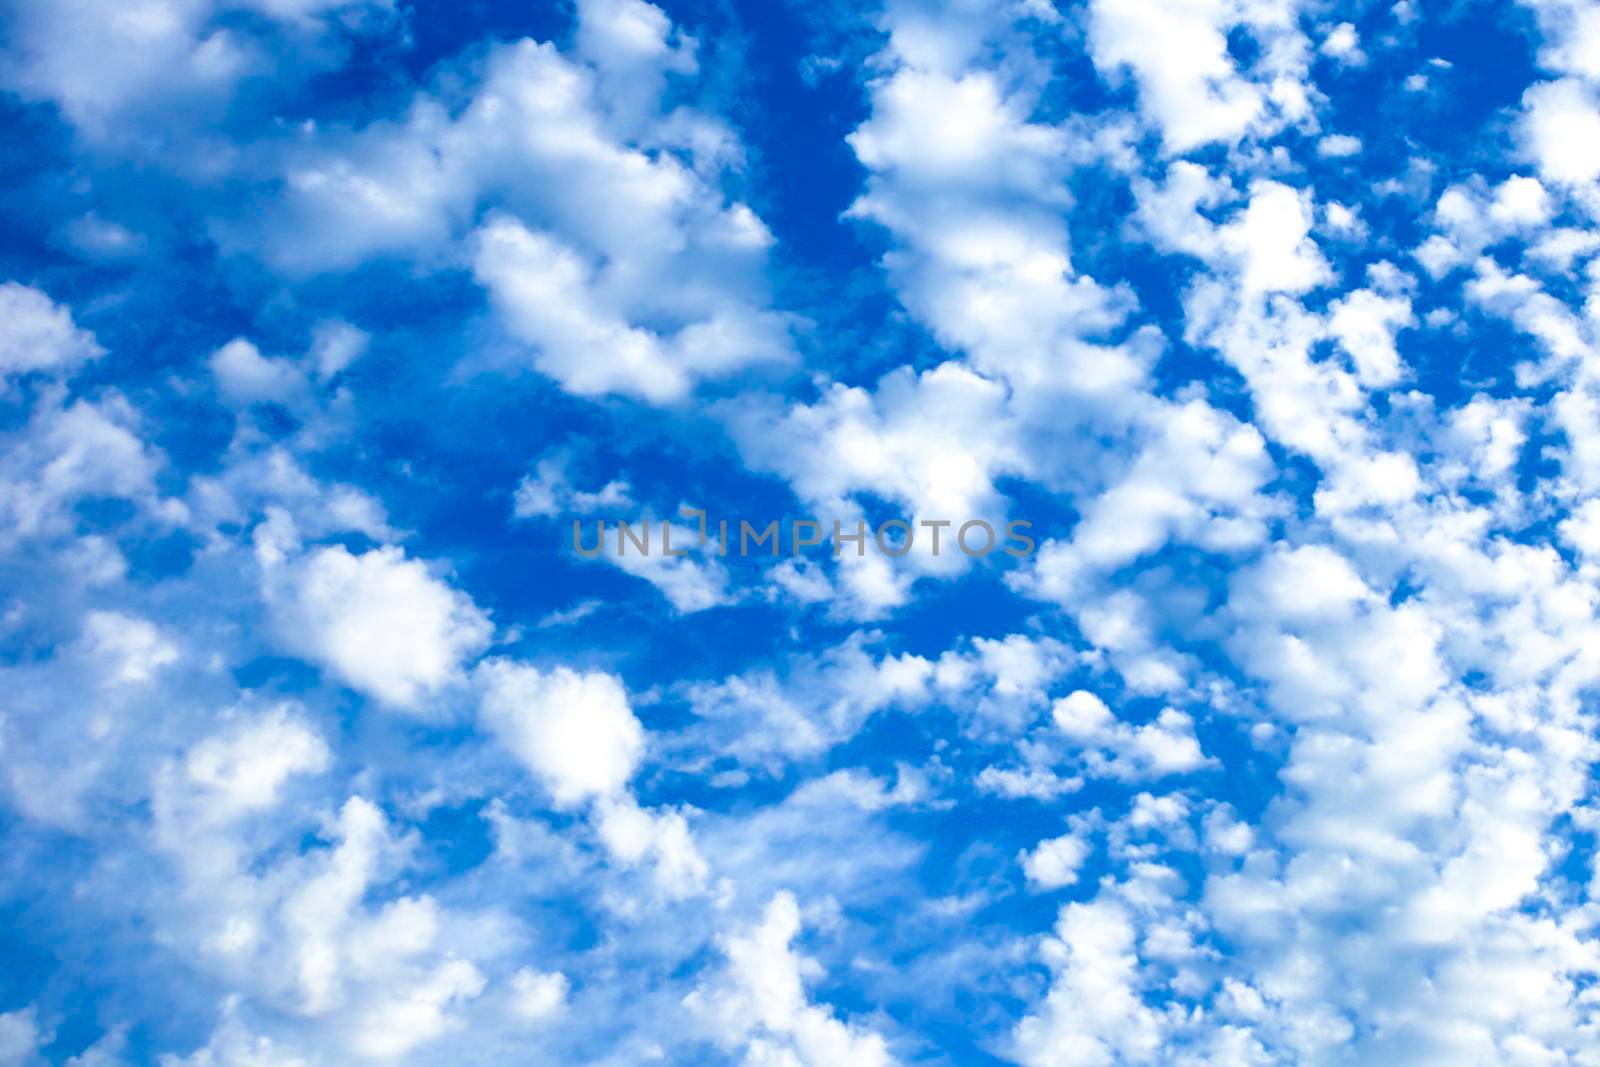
322	320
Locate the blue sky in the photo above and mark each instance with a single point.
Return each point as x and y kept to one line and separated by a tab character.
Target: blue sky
323	321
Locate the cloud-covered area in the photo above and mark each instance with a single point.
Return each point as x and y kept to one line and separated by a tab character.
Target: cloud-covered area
322	743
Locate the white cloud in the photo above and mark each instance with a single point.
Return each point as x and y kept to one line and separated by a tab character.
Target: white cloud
632	834
1343	220
101	238
1581	529
1520	201
176	62
689	584
245	376
1170	211
232	1045
1365	324
381	622
1339	146
1166	745
1196	480
362	971
574	731
634	46
1490	436
335	345
37	334
802	580
242	769
1272	239
929	127
131	649
1473	220
418	1012
1565	337
1033	783
933	442
643	306
20	1038
1571	36
1559	247
274	483
1267	246
581	740
317	910
538	996
1561	130
548	295
1054	862
1179	53
164	47
761	1007
973	193
1344	44
758	717
1094	1013
67	453
548	492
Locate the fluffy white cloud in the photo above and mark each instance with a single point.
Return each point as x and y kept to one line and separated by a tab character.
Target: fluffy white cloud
1340	585
1189	84
1343	43
761	1007
549	297
1563	335
691	582
933	442
1472	219
635	47
930	128
548	493
39	335
245	376
317	934
574	731
381	622
758	717
1094	1013
1197	480
335	345
1271	238
1561	130
242	769
132	649
1571	36
644	306
1339	146
1365	323
632	834
1054	862
177	62
69	452
166	47
1164	746
974	192
539	996
418	1012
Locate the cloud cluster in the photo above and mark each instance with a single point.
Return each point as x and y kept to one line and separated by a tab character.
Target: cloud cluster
326	319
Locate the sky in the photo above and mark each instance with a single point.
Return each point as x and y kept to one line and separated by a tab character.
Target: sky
1271	327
